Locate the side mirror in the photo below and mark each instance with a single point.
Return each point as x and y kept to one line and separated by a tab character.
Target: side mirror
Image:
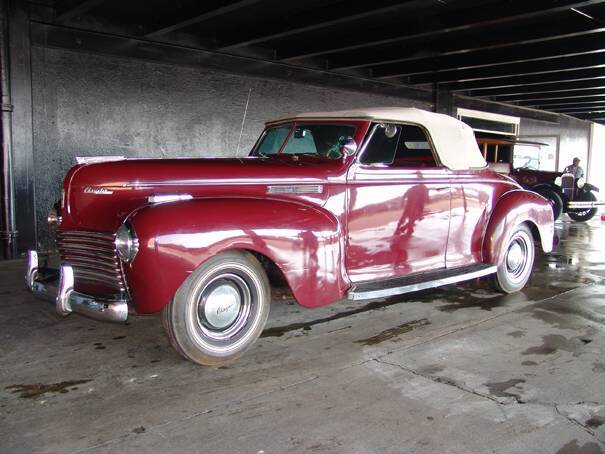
348	146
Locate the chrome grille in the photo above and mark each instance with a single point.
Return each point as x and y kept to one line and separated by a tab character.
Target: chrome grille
93	257
568	184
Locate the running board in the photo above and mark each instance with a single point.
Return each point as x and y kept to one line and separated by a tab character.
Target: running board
420	281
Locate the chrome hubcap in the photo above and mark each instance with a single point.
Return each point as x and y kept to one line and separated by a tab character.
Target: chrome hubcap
515	256
519	257
222	306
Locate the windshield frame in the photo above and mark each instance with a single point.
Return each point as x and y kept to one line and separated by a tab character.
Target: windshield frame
355	124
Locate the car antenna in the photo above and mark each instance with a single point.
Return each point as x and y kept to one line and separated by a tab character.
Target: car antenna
241	131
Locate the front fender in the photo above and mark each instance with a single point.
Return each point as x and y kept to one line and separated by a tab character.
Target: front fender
175	238
514	208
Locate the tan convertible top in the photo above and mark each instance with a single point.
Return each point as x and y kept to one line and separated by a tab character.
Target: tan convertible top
454	141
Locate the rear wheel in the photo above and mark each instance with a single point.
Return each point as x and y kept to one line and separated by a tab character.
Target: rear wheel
220	310
584	215
515	269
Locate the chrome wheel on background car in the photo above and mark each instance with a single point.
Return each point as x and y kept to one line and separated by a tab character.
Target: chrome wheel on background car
516	267
220	310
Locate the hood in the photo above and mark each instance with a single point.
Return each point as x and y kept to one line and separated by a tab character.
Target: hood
100	196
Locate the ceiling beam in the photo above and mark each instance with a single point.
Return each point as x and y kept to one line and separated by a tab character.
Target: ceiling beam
529	80
550	87
446	25
205	16
463	75
548	105
577	110
66	11
493	40
587	95
338	15
534	52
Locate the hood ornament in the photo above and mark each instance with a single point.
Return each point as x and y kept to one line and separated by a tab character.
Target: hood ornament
98	191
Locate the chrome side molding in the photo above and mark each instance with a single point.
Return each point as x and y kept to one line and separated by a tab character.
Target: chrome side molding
422	285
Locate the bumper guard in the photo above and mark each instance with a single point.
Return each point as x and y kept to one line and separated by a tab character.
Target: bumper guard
43	283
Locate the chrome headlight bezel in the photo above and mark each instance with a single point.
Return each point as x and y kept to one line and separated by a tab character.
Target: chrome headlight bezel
126	243
581	182
558	181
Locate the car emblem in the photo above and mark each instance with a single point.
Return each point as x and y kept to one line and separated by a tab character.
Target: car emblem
99	191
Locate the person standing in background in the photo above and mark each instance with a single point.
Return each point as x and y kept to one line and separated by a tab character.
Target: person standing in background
578	172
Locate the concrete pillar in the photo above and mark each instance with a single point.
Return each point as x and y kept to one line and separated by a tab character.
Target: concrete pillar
20	81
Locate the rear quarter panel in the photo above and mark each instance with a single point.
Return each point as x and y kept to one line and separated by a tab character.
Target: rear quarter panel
512	209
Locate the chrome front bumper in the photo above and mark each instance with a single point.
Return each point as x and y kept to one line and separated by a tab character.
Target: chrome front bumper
584	205
43	283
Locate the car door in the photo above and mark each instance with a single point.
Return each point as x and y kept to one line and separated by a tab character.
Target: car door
398	205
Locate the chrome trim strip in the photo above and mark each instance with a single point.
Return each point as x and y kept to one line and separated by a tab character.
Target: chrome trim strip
296	189
86	234
222	182
581	205
164	198
90	262
382	293
67	300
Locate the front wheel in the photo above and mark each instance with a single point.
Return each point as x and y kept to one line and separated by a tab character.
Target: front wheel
515	269
584	215
220	310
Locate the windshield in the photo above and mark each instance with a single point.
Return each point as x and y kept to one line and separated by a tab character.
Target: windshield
323	140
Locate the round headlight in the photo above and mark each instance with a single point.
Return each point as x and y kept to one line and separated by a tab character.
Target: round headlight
127	243
54	216
581	182
558	181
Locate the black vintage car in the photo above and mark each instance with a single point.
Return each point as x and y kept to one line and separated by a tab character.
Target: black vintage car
566	194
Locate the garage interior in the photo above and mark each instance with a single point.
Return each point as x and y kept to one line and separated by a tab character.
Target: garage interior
457	369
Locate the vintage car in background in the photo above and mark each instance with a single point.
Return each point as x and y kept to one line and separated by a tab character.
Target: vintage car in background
359	204
565	193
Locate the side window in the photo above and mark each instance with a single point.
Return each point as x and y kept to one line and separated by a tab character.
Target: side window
399	146
382	146
414	149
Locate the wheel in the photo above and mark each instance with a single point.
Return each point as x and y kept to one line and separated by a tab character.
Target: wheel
584	215
515	269
555	201
220	310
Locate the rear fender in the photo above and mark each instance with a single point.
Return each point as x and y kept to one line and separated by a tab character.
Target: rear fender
303	241
512	209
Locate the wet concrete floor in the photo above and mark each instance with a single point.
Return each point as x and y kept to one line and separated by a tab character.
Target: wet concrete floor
460	369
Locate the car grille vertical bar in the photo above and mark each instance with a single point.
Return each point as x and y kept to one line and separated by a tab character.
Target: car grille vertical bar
568	185
93	257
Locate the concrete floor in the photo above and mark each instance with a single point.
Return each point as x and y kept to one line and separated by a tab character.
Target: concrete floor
461	369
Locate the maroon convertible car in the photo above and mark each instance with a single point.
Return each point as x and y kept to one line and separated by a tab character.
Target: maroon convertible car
357	204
